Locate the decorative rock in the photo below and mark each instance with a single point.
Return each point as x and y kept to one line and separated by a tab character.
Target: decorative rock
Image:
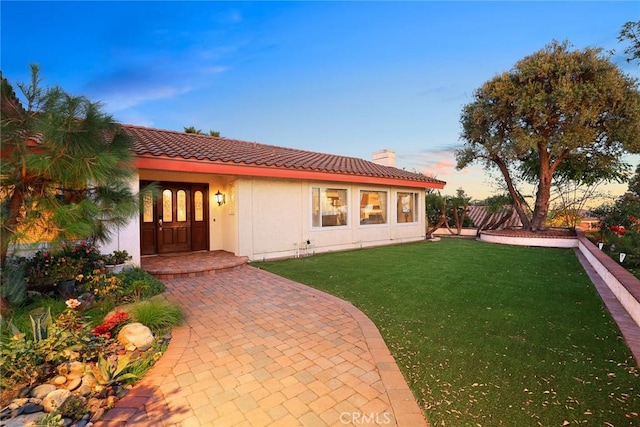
97	414
67	422
24	392
82	423
89	380
10	412
19	402
76	367
59	380
74	383
135	336
31	408
42	391
94	403
23	420
111	401
55	399
83	390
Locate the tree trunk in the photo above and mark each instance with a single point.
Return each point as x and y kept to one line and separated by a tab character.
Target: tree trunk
543	195
442	220
456	219
15	205
517	201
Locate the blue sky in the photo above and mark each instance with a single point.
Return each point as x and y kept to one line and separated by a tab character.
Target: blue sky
346	78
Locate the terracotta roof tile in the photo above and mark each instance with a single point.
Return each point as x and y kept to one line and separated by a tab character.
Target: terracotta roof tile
157	143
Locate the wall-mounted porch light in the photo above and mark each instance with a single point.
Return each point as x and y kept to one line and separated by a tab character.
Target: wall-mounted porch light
220	198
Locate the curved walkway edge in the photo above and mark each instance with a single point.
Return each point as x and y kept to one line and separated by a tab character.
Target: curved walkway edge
258	349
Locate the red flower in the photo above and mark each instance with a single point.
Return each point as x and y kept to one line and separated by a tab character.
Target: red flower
618	229
110	323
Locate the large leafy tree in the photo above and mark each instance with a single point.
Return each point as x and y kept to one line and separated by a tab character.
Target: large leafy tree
66	167
557	113
630	32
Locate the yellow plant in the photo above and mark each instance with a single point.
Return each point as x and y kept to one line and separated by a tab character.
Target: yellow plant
101	284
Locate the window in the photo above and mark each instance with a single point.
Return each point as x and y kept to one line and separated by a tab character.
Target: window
198	202
182	205
167	206
329	207
373	207
407	207
147	212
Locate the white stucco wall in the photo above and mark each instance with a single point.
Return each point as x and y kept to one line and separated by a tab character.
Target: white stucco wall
271	218
126	237
275	220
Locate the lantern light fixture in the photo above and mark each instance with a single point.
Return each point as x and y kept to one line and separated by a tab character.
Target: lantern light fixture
220	199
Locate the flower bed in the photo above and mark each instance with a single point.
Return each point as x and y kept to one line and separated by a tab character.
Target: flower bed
74	364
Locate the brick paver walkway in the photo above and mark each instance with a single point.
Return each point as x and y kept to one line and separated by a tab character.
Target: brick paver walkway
260	350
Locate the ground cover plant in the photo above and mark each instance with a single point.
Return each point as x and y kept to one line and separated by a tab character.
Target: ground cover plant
488	335
47	333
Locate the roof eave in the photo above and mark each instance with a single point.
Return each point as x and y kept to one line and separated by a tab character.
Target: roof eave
241	169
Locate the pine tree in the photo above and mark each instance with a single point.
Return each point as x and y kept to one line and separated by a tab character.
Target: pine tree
66	167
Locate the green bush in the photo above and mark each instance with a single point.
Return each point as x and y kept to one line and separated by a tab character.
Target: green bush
20	361
158	315
138	284
74	407
139	367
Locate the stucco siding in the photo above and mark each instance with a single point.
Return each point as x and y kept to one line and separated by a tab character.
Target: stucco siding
268	218
275	220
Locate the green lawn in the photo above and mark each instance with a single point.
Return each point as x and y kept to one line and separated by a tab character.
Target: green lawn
488	334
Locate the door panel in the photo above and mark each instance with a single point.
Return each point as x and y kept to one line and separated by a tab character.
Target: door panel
200	219
174	218
148	224
177	221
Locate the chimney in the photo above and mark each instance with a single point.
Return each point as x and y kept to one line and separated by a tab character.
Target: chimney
385	158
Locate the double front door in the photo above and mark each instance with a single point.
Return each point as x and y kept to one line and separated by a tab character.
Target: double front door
176	220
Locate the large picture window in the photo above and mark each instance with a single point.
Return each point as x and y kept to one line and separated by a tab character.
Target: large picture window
373	207
329	206
407	207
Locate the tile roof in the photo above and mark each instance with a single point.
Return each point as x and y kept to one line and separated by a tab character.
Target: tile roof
164	143
485	220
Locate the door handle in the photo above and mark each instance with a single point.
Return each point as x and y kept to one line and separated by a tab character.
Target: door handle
160	222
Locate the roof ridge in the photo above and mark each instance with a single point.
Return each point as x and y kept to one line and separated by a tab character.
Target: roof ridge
261	144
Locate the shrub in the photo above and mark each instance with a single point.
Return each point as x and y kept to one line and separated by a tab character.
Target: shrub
157	315
12	281
138	284
139	367
103	285
117	257
74	407
20	361
45	268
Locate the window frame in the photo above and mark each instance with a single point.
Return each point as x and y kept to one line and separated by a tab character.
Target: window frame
416	202
322	190
387	221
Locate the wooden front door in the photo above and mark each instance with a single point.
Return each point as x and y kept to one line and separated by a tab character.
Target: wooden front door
177	221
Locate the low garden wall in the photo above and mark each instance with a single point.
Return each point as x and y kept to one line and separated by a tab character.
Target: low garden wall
523	238
624	285
465	232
